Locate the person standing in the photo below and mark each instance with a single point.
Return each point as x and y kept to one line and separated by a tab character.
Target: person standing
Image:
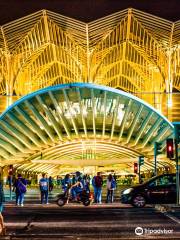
73	179
2	200
66	182
58	181
111	185
51	184
86	182
97	183
43	185
20	189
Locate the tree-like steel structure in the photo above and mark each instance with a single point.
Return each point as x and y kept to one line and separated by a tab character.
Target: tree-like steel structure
129	50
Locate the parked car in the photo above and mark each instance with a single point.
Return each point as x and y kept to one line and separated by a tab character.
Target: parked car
159	189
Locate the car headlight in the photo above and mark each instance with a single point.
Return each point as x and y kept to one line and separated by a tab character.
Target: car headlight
127	191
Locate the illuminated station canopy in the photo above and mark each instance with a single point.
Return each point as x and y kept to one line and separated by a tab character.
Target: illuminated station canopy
79	125
60	125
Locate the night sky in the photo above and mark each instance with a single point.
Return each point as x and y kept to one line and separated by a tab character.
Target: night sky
87	10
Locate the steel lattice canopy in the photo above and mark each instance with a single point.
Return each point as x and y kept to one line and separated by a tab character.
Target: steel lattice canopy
79	124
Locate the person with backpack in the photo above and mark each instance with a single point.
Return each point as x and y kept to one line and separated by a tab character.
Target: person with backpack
20	190
44	186
97	183
111	185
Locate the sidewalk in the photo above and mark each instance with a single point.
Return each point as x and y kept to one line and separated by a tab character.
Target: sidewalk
33	194
70	205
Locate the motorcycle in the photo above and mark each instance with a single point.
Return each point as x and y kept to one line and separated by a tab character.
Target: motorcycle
85	197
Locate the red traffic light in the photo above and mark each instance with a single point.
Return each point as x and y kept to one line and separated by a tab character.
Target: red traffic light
135	167
170	148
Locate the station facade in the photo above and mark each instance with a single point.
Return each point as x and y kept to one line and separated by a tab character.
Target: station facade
88	96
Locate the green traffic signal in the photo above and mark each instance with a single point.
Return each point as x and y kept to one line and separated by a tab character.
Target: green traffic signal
141	160
157	148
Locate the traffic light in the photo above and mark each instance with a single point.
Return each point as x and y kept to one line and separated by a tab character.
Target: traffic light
157	148
141	160
135	167
170	148
10	171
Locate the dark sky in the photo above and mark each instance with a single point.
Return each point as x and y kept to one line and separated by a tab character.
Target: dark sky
87	10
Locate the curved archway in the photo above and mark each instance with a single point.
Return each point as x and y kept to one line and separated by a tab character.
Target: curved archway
79	124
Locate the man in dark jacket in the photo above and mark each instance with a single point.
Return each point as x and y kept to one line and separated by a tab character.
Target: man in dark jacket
20	190
97	183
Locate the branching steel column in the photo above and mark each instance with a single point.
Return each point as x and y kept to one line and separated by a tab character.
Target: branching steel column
88	55
8	72
94	112
104	115
169	81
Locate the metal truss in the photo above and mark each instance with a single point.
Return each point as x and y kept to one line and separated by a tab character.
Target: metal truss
129	50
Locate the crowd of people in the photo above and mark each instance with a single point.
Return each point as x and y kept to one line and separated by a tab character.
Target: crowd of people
80	182
20	187
77	182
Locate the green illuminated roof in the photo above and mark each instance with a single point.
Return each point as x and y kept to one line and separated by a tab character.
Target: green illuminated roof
78	125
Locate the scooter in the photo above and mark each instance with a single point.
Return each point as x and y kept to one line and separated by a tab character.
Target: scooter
85	197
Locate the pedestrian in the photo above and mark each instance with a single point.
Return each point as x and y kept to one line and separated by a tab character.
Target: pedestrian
58	180
86	182
51	184
111	185
43	185
97	183
73	179
20	189
66	182
30	181
2	199
77	187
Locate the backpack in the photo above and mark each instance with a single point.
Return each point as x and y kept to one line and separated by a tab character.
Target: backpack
113	184
21	187
98	181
